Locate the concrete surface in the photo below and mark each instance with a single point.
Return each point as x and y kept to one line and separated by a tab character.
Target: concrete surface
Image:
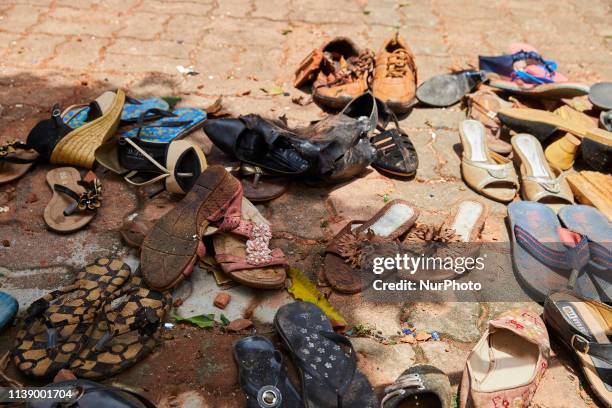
61	51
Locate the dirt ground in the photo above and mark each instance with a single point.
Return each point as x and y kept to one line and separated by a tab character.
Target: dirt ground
60	51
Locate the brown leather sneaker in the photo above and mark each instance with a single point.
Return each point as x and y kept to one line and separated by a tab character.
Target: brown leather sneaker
395	75
344	73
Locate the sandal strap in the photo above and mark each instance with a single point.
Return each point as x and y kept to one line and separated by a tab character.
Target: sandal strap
231	263
572	258
594	349
10	148
89	200
348	380
401	384
140	123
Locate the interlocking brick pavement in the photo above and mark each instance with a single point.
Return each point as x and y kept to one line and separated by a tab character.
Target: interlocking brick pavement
69	51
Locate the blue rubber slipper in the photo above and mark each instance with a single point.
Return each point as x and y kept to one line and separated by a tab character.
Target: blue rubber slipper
170	127
545	255
591	223
8	309
75	116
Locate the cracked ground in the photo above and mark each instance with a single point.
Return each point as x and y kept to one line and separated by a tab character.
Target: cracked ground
60	51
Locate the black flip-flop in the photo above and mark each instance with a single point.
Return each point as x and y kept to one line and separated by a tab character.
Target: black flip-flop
448	89
90	394
263	375
326	360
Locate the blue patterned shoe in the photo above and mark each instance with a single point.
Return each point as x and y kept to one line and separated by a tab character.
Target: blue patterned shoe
8	309
76	115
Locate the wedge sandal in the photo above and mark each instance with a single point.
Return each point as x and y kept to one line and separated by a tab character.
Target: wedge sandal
59	143
58	325
594	189
583	326
125	334
546	256
16	159
74	202
508	362
171	248
326	361
244	252
540	181
486	172
77	115
342	264
263	375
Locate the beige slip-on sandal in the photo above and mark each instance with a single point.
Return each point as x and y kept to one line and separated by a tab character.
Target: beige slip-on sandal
540	181
487	172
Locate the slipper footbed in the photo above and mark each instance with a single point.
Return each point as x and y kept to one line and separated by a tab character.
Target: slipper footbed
54	211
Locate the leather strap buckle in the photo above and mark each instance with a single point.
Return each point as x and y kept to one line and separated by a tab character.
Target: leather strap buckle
580	344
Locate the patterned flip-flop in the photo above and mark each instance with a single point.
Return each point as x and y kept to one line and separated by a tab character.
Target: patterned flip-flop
76	115
58	324
125	334
169	128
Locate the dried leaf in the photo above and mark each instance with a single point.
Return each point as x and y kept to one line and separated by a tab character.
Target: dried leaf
274	90
408	339
301	100
423	336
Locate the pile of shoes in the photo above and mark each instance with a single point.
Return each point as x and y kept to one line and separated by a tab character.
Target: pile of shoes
339	71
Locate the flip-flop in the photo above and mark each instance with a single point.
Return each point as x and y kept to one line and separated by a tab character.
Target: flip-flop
58	324
583	326
250	261
545	255
594	189
326	361
74	202
76	115
61	144
16	158
448	89
179	123
592	224
342	264
263	375
562	90
485	171
419	386
171	248
540	181
90	394
8	309
259	185
600	95
125	334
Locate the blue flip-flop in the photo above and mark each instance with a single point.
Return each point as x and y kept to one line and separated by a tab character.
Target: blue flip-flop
591	223
544	254
76	116
169	127
8	309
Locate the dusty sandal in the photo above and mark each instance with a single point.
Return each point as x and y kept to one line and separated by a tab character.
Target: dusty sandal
16	158
259	185
57	325
75	202
420	386
250	262
487	172
325	360
125	333
342	261
263	375
171	248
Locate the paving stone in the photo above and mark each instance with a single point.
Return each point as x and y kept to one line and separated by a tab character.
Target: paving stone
382	364
459	320
559	377
447	357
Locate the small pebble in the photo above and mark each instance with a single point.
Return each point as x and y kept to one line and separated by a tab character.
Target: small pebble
222	299
239	324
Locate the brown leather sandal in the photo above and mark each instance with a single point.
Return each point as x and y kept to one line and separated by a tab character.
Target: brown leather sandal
171	248
342	259
16	158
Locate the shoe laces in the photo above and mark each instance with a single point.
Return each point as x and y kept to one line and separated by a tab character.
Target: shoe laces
356	67
398	63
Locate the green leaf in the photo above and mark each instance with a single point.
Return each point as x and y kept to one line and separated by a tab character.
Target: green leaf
386	198
202	321
274	90
224	319
172	101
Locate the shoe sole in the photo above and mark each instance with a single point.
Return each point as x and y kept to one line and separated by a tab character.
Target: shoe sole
170	249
